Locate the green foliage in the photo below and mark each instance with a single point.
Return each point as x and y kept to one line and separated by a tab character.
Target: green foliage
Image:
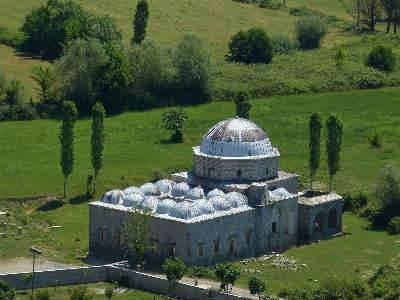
174	269
44	77
140	21
273	5
14	92
394	225
42	294
381	58
25	278
242	103
309	31
304	11
355	201
340	57
284	44
173	120
6	293
67	140
12	38
138	232
251	47
375	141
124	280
227	273
109	291
315	127
201	272
334	127
80	293
385	282
97	139
256	286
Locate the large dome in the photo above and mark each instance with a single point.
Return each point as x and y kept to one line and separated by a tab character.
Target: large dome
236	137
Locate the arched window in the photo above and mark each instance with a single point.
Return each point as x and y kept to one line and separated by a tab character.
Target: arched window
266	171
332	218
288	220
239	173
319	222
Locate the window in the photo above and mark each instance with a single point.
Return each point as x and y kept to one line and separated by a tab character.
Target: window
210	172
154	246
248	238
332	218
171	251
239	173
319	222
201	251
103	236
216	247
266	171
121	239
273	226
232	247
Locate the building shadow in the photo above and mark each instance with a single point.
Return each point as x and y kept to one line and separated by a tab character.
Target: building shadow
80	199
51	205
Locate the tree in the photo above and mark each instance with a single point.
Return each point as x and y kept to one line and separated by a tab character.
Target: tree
42	294
340	57
315	127
173	121
390	7
251	47
109	291
138	231
67	140
140	22
25	278
227	273
97	140
256	286
194	70
334	127
242	103
45	78
309	31
6	292
80	293
14	92
174	269
381	58
365	11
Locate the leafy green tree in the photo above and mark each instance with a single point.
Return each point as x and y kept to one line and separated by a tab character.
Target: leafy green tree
174	269
227	273
97	140
67	140
42	294
80	293
284	44
381	58
44	77
251	47
242	103
140	21
78	71
309	31
256	286
6	292
109	291
194	70
138	232
26	277
315	127
3	82
15	92
334	127
173	121
340	57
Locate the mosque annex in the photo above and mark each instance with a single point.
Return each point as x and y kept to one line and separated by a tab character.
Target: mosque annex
233	204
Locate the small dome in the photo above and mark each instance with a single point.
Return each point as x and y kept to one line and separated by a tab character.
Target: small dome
149	202
180	189
165	206
236	199
220	203
236	137
132	200
279	193
133	190
150	189
214	193
195	193
205	206
185	210
164	185
113	197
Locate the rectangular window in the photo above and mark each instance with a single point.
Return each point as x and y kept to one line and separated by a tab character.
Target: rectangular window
121	239
171	251
273	226
232	247
154	246
247	238
216	247
103	236
201	251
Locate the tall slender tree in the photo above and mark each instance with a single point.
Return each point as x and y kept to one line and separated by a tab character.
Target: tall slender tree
242	103
334	127
67	140
97	139
315	127
140	22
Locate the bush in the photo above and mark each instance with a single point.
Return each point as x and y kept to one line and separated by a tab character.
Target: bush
284	44
394	225
202	272
272	5
12	38
309	31
355	201
375	141
381	58
42	294
251	47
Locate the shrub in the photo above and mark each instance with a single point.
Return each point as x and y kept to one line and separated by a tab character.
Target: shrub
340	57
394	225
272	5
42	294
375	141
284	44
251	47
124	279
309	31
355	201
12	38
381	58
202	272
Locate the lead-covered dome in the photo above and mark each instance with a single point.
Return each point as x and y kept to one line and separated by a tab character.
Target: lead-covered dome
236	137
113	197
185	210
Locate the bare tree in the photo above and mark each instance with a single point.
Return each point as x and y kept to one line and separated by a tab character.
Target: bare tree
364	11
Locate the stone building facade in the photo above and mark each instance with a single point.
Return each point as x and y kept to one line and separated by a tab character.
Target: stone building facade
233	204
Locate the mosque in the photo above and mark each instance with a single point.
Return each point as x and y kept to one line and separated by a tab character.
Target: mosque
234	204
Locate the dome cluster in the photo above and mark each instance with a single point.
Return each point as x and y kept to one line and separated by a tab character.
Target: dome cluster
178	200
278	194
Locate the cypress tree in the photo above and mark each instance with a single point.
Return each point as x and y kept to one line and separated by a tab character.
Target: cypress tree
334	127
140	22
315	127
97	139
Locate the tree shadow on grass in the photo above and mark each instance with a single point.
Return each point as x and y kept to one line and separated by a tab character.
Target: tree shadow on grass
80	199
51	205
